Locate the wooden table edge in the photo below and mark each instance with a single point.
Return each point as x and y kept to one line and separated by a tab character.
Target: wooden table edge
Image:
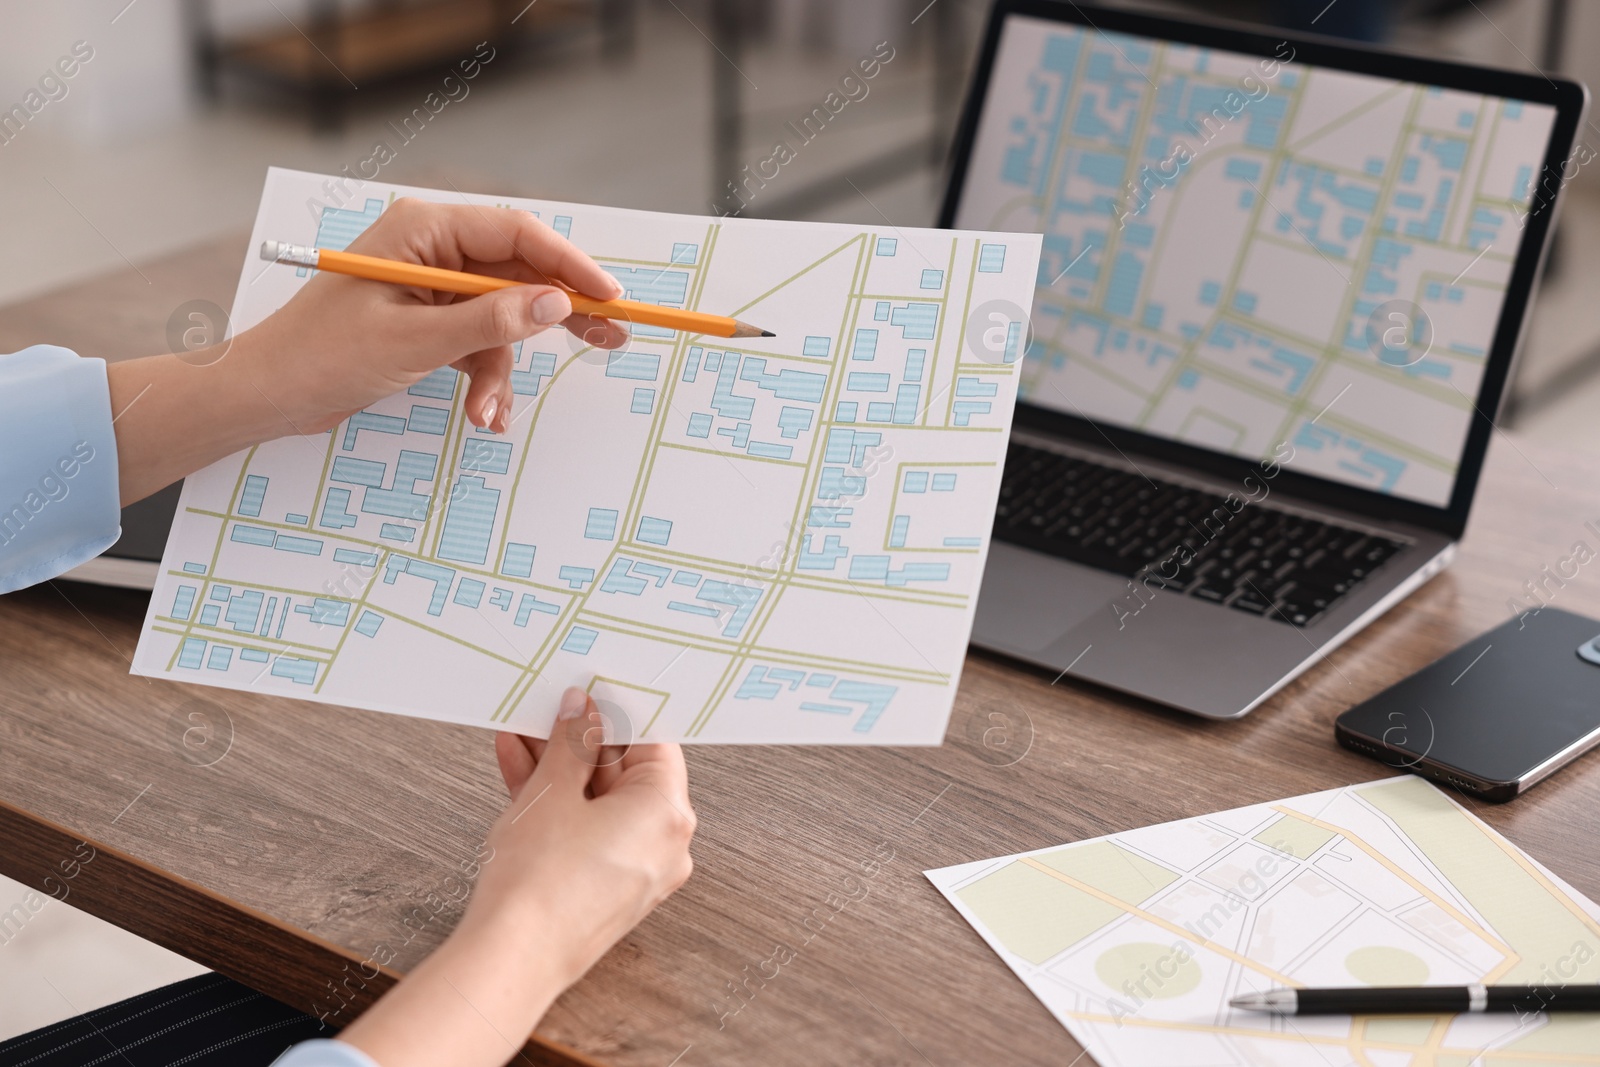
248	946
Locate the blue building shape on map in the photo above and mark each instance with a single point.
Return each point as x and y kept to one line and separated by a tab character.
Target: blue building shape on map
580	639
518	560
255	490
526	381
425	418
485	457
401	499
654	531
601	524
441	577
469	521
367	420
440	385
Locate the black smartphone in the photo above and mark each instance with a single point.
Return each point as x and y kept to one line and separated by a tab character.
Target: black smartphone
1494	717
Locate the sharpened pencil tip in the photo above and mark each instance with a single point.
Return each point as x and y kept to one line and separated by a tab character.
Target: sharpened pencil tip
744	329
768	333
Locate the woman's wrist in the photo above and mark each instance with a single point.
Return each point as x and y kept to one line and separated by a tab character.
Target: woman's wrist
271	405
523	930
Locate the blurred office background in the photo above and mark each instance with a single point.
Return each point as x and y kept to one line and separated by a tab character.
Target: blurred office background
163	136
161	140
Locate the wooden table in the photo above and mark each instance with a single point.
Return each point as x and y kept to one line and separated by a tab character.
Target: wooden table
286	843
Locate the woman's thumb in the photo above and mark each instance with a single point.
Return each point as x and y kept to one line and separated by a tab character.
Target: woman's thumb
502	317
575	740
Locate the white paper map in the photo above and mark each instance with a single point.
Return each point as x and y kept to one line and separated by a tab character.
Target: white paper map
1137	941
776	540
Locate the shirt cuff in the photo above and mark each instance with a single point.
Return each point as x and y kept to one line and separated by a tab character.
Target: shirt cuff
59	492
321	1053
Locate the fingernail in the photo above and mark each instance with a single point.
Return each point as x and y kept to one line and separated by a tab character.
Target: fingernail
489	409
616	287
551	307
573	701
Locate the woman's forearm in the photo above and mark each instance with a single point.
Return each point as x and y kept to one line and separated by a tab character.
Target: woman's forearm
472	1003
173	416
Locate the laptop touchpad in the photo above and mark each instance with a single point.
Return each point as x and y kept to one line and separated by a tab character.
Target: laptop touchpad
1029	600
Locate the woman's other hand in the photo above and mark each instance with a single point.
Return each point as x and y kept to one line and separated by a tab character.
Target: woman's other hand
595	836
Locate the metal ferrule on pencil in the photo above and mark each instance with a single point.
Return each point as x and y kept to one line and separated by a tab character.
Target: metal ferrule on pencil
298	255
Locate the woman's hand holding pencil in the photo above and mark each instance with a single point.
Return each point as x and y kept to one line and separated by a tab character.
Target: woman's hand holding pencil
342	343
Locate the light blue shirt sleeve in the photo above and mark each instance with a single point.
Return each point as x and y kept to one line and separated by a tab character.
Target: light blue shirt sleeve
321	1053
58	465
59	507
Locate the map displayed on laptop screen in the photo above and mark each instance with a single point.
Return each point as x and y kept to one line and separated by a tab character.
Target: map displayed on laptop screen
1242	252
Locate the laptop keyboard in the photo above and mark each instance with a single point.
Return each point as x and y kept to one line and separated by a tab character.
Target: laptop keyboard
1260	560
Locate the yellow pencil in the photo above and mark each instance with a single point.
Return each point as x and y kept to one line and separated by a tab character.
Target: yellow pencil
455	281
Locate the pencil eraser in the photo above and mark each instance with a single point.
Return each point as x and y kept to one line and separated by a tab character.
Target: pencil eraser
269	249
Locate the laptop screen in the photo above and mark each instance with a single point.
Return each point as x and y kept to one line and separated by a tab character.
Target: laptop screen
1256	256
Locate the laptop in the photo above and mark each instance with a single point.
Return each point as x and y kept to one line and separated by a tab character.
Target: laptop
1282	287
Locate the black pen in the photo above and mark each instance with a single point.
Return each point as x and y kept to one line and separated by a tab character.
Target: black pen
1422	1000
